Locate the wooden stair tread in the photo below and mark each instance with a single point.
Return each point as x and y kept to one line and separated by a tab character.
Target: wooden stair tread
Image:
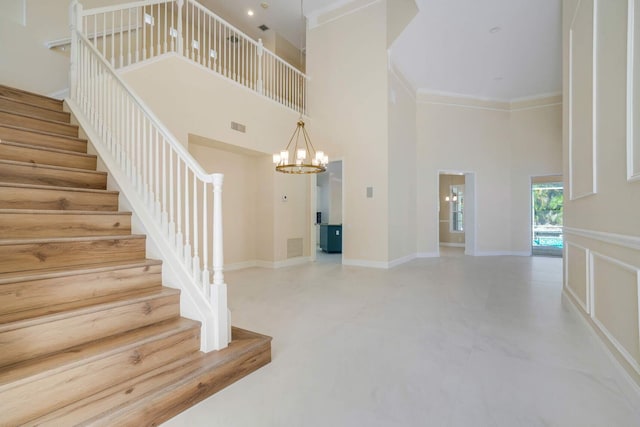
28	116
160	394
8	242
55	212
29	121
54	187
40	316
31	369
27	106
52	167
22	276
30	97
41	132
49	149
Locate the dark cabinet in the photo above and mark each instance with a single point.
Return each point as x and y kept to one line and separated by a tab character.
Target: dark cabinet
331	238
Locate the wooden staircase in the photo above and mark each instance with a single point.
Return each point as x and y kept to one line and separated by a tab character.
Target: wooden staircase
88	334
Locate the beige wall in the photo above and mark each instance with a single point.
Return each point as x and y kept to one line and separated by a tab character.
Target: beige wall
347	65
504	144
446	235
536	150
402	169
25	62
190	100
240	207
455	137
602	259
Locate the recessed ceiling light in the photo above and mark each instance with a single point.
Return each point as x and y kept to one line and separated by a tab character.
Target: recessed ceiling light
250	12
495	30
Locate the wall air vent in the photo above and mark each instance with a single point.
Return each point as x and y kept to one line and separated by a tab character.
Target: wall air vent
233	39
263	27
238	127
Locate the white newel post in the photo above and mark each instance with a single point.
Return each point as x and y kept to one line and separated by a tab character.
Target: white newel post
180	37
75	24
219	288
260	51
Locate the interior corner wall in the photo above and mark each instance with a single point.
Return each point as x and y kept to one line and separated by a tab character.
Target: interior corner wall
536	150
25	61
602	231
402	170
348	97
453	137
239	207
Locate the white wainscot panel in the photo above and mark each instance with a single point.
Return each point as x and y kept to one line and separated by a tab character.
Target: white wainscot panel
582	120
614	303
576	274
633	92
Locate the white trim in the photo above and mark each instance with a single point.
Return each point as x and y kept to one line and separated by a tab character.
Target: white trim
313	18
452	245
623	351
539	97
572	195
427	255
633	135
402	260
291	262
240	265
365	263
402	80
635	387
60	94
503	253
586	305
631	242
66	41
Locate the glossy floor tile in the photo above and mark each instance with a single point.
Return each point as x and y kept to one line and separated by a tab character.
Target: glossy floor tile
452	341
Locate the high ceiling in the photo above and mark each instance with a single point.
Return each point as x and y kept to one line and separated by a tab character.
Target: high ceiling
492	49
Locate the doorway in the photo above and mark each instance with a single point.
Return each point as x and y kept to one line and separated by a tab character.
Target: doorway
328	223
456	213
547	199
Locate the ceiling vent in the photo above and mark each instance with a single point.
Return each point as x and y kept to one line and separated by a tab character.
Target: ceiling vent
263	27
233	39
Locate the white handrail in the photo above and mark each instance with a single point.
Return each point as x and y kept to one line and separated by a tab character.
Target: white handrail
170	185
132	32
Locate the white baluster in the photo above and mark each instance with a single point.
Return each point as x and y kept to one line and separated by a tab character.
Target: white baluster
259	60
218	256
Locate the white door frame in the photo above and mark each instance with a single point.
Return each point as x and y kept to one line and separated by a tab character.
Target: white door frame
470	204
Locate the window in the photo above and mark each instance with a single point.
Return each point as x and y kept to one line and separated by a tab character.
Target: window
456	219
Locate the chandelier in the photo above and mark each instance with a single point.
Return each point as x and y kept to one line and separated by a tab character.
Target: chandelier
300	157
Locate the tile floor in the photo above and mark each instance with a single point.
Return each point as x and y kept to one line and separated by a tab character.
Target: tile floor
453	341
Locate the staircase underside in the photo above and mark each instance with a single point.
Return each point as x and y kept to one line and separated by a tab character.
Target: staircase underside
88	333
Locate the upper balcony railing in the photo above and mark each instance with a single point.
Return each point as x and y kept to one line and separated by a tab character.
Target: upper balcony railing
130	33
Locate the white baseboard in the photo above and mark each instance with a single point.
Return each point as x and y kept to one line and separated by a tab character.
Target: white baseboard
240	265
402	260
502	253
365	263
60	94
427	255
633	388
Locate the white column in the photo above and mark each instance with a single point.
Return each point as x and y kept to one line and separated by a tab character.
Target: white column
75	24
260	51
180	39
219	288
